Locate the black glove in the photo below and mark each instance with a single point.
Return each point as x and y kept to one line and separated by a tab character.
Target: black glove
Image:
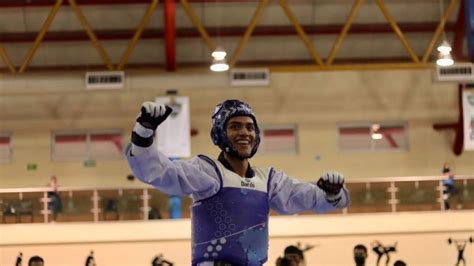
331	183
150	117
153	114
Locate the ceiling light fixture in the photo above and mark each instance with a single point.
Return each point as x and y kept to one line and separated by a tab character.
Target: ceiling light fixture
219	53
444	49
219	64
444	60
375	132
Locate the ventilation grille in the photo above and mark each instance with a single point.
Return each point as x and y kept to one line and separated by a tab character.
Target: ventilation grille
250	77
105	80
456	73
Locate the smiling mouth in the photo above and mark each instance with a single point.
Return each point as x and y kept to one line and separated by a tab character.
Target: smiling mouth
243	143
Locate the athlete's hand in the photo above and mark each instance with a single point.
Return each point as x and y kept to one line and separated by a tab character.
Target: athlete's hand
332	183
150	117
153	114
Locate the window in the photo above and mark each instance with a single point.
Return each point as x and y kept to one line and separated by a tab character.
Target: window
70	146
5	148
371	137
278	140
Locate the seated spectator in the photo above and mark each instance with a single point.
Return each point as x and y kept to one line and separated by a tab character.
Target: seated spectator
111	206
399	263
36	261
154	214
294	254
286	262
360	254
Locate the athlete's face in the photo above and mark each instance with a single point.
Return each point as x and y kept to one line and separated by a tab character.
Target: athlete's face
241	134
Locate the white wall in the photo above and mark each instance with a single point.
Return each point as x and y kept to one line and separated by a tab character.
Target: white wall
32	105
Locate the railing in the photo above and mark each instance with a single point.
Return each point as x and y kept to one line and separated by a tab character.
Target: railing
368	195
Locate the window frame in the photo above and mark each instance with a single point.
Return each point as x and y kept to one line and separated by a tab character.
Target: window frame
10	147
373	147
293	127
88	141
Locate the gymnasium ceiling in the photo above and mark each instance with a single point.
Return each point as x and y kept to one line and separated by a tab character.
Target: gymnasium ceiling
168	35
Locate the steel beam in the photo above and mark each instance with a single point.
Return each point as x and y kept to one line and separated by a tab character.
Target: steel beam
170	34
138	33
40	35
459	33
307	42
41	3
260	31
91	34
274	66
469	8
198	25
6	59
439	30
345	30
243	41
397	30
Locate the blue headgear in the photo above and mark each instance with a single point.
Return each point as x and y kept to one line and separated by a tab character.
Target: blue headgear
225	111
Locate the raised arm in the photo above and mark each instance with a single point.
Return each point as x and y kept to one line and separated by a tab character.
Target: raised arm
288	195
190	177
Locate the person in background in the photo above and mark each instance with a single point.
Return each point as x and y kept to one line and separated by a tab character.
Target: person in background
379	249
231	199
161	261
174	207
460	246
90	261
19	259
54	205
154	213
360	254
294	253
449	186
382	250
399	263
282	261
36	261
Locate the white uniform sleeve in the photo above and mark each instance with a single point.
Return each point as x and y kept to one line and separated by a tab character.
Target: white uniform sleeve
194	177
288	196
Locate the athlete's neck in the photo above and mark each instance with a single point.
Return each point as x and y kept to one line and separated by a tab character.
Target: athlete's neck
239	165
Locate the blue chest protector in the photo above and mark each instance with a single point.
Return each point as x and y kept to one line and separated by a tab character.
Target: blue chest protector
232	225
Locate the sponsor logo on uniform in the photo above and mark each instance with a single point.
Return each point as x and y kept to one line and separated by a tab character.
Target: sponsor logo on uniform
247	182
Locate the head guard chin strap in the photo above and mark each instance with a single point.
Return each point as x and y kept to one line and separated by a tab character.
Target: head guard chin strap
222	113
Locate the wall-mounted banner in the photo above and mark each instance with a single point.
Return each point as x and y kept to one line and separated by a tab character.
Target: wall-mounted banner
173	135
468	113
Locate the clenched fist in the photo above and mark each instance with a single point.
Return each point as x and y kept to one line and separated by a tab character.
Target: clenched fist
331	183
153	114
150	117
